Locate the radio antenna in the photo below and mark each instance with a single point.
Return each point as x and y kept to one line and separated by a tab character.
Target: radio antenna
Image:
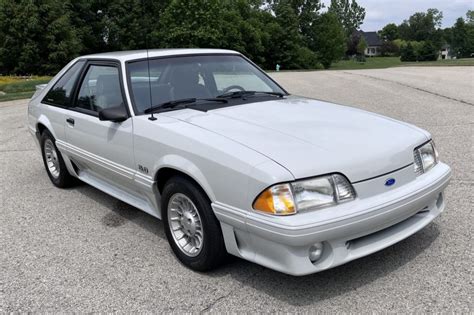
152	117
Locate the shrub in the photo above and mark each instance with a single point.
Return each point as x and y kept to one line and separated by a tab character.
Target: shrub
427	52
407	53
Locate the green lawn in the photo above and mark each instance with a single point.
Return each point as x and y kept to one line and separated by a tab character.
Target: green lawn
370	63
387	62
14	88
456	62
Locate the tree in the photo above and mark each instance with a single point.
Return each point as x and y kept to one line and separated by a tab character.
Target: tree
42	36
36	38
470	17
307	12
87	17
462	40
349	13
389	32
60	41
328	39
361	46
19	37
422	26
389	48
427	52
286	41
244	29
352	43
407	53
191	24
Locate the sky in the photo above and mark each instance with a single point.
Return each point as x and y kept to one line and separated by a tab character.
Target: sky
379	13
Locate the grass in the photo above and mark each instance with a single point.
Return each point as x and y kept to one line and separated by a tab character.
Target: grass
14	88
370	63
388	62
442	63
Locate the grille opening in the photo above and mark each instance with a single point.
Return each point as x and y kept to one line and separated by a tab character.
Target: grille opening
425	209
360	241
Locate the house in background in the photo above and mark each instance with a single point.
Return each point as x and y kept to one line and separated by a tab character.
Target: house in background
445	52
374	44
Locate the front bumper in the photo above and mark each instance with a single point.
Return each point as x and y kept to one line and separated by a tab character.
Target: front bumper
347	231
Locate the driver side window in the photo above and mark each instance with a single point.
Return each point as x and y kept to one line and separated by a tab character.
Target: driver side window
100	89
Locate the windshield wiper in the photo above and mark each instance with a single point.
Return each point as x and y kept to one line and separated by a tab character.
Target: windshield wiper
237	94
174	103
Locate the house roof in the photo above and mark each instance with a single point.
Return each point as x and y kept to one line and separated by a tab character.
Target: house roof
372	38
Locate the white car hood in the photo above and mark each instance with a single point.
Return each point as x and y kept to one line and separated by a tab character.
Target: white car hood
310	137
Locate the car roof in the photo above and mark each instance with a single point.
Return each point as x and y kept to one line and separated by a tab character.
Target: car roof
127	55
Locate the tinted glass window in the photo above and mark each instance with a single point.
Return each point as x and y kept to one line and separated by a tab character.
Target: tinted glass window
60	94
100	89
193	77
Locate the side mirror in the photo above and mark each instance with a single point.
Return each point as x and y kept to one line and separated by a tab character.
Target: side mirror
114	114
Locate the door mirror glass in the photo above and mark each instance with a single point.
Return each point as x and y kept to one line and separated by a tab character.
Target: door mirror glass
114	114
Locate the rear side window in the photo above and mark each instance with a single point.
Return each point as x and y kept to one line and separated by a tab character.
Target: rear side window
60	94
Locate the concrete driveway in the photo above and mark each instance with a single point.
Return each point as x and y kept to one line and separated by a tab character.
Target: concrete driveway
81	250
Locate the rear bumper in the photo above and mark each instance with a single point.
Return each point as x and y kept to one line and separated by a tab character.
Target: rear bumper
347	231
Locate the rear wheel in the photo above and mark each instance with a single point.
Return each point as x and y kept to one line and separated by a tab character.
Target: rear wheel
53	162
191	227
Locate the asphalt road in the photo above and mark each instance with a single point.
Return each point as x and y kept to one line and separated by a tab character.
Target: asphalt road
81	250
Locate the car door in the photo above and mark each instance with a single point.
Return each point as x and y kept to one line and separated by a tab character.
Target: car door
102	150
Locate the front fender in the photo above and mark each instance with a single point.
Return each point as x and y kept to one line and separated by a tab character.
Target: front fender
187	167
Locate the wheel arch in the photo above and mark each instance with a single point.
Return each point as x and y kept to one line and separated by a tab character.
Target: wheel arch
43	124
178	166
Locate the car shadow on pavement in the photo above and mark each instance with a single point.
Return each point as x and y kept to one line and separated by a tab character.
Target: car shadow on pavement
297	291
305	290
121	213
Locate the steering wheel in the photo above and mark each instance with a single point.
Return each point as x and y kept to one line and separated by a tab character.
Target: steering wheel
233	87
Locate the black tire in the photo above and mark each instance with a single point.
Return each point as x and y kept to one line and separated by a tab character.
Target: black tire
213	252
63	179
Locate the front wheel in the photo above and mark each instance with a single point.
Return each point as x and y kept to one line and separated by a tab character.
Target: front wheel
191	227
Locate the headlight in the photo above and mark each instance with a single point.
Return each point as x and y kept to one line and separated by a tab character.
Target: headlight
314	193
426	157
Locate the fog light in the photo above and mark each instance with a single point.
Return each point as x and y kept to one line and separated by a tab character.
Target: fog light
315	252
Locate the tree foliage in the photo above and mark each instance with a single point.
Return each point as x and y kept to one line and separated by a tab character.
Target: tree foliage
328	39
42	36
422	26
35	38
462	38
389	32
407	53
361	46
349	12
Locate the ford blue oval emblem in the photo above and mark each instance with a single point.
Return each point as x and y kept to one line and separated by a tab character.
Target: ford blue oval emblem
390	182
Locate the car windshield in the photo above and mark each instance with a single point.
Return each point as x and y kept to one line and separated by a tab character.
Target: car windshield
200	77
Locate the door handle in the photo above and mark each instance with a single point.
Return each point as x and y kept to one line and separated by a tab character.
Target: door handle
70	121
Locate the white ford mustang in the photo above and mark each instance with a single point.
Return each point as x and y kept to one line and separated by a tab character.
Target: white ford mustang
204	140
